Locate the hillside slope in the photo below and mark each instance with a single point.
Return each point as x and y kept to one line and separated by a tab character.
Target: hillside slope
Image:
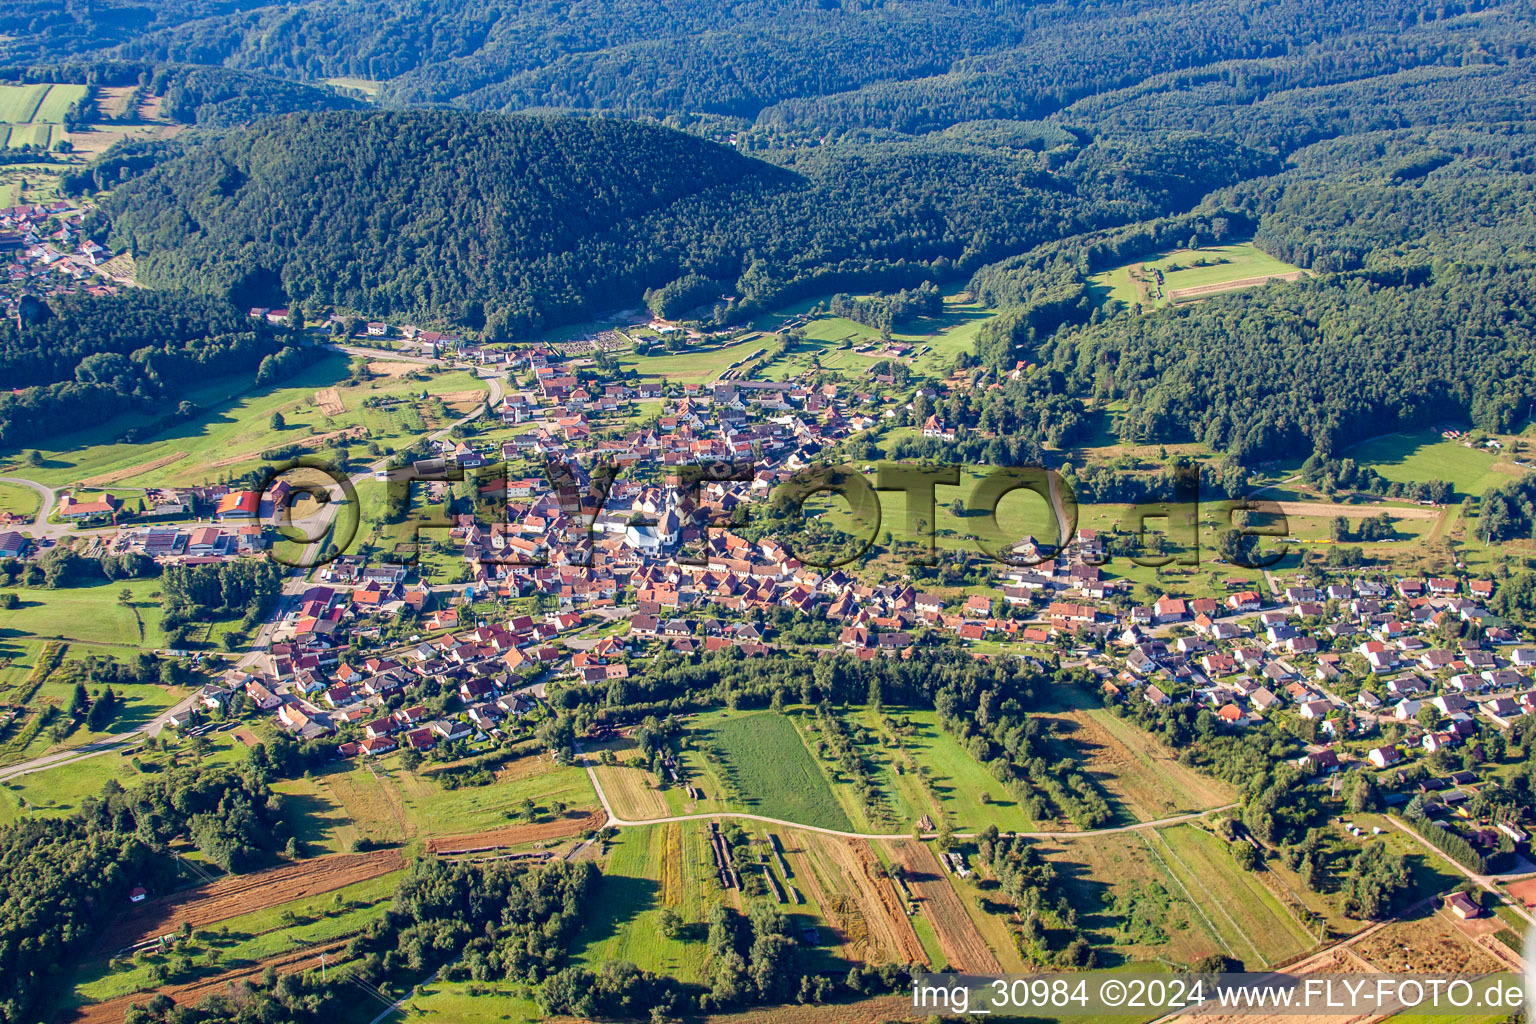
437	213
515	222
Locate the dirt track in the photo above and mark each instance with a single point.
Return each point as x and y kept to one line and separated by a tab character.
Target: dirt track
241	894
516	835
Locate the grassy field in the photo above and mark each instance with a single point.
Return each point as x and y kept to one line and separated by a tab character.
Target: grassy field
690	366
1140	777
61	789
646	870
320	821
32	115
937	770
230	437
470	1002
1245	914
1424	455
433	810
90	613
1127	903
1019	514
830	342
364	85
19	500
1183	269
249	938
763	761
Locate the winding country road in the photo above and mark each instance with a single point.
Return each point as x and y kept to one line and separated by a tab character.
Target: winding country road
615	820
48	494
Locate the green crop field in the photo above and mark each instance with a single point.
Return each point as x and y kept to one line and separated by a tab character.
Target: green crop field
763	760
32	115
19	103
57	103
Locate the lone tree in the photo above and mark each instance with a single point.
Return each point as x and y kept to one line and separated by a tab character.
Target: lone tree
277	422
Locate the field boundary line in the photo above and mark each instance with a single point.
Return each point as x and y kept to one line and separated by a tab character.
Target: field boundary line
1212	896
1198	909
618	822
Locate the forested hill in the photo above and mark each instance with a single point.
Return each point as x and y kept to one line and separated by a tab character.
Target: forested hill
509	223
907	64
422	211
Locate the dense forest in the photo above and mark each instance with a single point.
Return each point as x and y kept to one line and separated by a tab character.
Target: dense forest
83	360
910	66
1319	364
512	223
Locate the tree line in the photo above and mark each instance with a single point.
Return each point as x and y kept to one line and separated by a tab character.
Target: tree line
87	359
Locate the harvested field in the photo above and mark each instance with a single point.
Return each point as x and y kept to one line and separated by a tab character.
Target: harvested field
1138	774
111	1011
1322	508
962	944
241	894
392	367
463	401
672	865
1523	890
529	767
129	472
631	791
516	835
842	879
865	1011
1201	290
329	402
1425	945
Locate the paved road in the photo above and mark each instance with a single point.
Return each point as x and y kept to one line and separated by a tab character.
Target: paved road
618	822
319	526
1483	881
39	521
106	746
40	526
